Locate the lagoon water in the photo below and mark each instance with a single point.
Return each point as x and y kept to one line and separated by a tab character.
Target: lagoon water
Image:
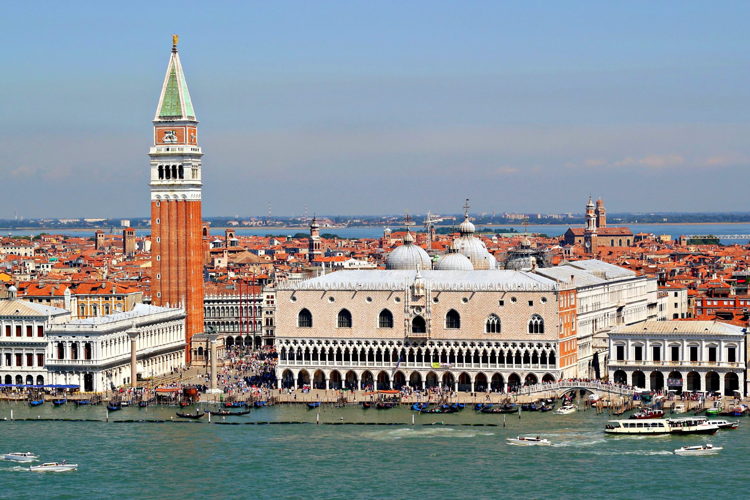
307	461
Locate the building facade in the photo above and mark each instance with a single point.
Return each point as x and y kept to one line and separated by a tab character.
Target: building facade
176	182
681	356
465	331
94	353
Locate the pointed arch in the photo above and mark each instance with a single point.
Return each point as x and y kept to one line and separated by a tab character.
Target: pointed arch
304	319
344	319
418	325
536	324
492	325
452	319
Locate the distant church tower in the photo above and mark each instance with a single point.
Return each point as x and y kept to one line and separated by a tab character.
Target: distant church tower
313	244
589	233
601	214
176	241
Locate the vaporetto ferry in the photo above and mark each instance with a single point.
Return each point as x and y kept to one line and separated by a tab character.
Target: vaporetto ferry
694	425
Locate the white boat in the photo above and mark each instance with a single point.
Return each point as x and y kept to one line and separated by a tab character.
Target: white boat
566	409
705	449
679	408
529	441
690	425
54	467
20	457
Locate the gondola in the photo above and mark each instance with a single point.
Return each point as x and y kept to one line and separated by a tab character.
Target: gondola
366	405
142	404
82	402
260	404
59	402
235	404
316	404
385	406
440	409
193	416
419	406
114	406
36	402
506	408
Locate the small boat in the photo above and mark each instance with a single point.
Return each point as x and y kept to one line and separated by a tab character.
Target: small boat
82	402
184	404
36	402
566	409
20	457
260	404
482	406
705	449
725	424
193	416
419	406
679	408
385	406
506	408
142	404
54	467
647	413
529	441
125	403
546	407
440	409
114	406
712	411
227	413
366	405
316	404
59	402
235	404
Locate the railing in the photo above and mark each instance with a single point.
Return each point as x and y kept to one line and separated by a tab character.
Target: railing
685	365
389	365
573	384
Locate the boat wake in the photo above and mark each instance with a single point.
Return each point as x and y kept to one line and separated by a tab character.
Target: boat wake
643	453
578	443
16	468
440	432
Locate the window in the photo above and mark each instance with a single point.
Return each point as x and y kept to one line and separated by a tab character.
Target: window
712	354
19	359
675	353
492	325
29	331
40	331
60	350
40	360
621	352
656	352
531	303
536	324
7	331
344	319
385	319
453	319
29	360
731	354
638	353
18	331
693	353
502	303
418	325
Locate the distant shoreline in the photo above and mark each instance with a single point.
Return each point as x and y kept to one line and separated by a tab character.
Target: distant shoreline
270	229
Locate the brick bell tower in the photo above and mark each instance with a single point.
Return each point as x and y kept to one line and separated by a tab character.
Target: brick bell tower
176	223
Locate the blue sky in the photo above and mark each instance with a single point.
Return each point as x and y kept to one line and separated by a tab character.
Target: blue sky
382	107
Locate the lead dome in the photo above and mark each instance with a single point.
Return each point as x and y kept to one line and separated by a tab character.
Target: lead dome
408	256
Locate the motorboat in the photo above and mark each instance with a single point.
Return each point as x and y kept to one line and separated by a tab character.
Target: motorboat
20	457
529	441
566	409
705	449
63	466
725	424
692	425
193	416
647	413
679	408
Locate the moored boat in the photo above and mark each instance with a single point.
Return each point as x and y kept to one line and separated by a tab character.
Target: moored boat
36	402
419	406
691	425
725	424
385	406
82	402
704	449
193	416
315	404
647	413
529	441
26	456
114	406
63	466
366	405
59	402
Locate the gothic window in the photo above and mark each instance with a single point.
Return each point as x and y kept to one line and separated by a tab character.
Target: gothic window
344	319
452	319
181	172
305	319
418	325
174	171
385	320
492	325
161	171
536	324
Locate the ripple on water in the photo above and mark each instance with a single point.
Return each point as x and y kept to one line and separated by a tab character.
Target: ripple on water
423	433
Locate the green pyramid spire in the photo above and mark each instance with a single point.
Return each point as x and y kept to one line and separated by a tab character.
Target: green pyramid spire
175	102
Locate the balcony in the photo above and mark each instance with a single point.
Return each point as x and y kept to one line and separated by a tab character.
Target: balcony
684	364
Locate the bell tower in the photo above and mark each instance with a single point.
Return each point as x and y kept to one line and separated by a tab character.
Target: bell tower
176	221
313	243
589	232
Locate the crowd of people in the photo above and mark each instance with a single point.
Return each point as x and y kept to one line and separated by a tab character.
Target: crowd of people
248	372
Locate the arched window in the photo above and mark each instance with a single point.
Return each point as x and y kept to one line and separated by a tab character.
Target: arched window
536	324
161	171
385	320
304	319
345	319
492	325
418	325
453	319
181	172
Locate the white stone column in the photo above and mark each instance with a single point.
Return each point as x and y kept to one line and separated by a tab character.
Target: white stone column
133	335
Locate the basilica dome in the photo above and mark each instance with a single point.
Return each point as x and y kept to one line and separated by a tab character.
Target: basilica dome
454	261
472	247
408	256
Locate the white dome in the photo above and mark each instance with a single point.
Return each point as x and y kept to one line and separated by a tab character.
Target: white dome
474	249
466	227
454	262
408	257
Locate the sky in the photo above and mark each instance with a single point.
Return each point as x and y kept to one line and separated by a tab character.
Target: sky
356	107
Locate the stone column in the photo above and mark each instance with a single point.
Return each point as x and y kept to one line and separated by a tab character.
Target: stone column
133	334
212	340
